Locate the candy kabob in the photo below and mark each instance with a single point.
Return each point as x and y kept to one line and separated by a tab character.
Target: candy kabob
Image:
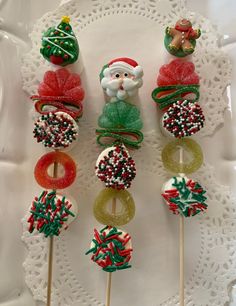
58	104
177	95
120	126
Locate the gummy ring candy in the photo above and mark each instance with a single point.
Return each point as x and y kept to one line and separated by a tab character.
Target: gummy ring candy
122	216
176	166
45	180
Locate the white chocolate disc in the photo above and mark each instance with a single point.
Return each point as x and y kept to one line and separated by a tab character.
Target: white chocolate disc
42	128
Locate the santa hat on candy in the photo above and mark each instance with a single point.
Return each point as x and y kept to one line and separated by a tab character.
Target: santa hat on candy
122	64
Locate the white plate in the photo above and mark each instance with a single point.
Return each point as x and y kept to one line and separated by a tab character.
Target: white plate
153	280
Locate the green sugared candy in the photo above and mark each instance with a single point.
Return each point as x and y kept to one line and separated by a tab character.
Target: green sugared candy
120	122
59	44
120	114
174	165
122	216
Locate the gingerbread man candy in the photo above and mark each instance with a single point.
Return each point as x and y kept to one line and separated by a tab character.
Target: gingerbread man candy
181	40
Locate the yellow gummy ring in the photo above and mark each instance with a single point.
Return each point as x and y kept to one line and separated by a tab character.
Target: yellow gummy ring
172	149
103	207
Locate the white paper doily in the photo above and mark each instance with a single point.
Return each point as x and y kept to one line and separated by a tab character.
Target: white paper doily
105	30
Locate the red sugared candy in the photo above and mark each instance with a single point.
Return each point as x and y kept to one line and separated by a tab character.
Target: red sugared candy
177	72
62	91
62	83
49	182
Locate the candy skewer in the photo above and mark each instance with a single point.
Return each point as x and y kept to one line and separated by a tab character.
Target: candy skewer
50	254
181	239
108	294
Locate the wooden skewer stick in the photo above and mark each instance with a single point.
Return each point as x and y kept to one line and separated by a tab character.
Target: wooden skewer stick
50	254
181	242
50	261
181	260
108	294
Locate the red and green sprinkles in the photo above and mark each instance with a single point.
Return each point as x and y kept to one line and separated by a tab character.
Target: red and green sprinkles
49	214
117	168
183	119
111	249
55	130
187	197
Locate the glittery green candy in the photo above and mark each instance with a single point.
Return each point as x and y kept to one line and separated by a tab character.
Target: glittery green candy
49	214
173	164
121	122
111	249
103	213
185	197
59	44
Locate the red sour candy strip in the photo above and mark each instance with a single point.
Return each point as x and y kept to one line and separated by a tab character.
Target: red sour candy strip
45	180
74	109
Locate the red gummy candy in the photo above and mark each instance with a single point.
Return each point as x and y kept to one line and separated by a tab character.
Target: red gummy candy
62	83
177	72
49	182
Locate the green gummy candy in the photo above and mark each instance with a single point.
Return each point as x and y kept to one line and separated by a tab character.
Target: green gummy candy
120	114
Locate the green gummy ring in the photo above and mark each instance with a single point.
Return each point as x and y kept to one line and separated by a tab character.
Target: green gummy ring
178	53
188	145
103	214
49	182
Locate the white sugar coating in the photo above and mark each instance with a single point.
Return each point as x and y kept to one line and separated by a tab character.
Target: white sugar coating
73	209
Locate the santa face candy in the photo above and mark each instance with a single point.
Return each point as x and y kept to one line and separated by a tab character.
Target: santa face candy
121	78
183	119
115	167
49	182
181	40
174	165
111	249
176	81
184	196
59	44
58	130
105	215
50	213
